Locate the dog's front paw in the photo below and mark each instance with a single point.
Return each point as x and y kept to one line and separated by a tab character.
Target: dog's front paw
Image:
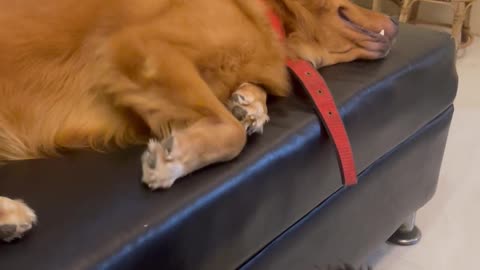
160	168
249	105
16	218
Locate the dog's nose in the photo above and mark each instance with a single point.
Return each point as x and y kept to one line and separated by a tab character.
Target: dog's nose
395	20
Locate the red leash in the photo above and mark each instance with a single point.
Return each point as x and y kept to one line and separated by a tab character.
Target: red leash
316	87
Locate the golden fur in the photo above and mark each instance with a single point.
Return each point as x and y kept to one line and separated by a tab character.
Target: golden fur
110	73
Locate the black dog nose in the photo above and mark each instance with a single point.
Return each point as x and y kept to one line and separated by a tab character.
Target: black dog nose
395	20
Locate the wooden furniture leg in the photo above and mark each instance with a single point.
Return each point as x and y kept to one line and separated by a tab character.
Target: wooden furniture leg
414	12
406	10
377	5
467	37
459	9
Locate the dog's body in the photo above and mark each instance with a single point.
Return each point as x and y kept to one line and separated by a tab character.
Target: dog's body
114	72
63	65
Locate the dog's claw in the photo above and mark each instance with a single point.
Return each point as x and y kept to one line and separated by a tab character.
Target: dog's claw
25	226
239	113
165	169
250	130
168	145
152	161
7	231
238	99
20	219
149	157
249	108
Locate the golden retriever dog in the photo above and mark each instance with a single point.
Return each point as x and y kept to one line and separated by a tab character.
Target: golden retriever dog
193	74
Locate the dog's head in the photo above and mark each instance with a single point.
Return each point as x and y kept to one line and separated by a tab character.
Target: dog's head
328	32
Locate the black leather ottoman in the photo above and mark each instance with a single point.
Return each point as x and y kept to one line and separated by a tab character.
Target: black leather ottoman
280	205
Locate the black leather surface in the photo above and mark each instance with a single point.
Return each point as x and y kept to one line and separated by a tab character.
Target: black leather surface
354	222
94	213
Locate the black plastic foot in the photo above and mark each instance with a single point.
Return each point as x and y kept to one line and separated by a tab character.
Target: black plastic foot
406	238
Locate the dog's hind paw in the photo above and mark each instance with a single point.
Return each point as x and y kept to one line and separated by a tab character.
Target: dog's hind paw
16	218
160	169
249	105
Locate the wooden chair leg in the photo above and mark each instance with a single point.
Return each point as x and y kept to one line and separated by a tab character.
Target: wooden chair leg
377	5
414	12
466	23
458	21
406	10
466	34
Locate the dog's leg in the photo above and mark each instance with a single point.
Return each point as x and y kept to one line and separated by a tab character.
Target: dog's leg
215	137
170	91
249	105
209	140
16	218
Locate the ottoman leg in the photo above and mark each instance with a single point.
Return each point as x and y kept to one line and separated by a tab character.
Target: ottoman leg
408	234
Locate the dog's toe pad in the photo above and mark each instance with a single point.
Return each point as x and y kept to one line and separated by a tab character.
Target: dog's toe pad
7	231
160	169
249	110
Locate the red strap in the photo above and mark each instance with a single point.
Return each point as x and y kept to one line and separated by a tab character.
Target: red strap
276	23
323	100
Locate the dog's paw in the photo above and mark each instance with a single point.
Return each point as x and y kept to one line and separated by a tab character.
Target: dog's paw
249	105
16	218
160	168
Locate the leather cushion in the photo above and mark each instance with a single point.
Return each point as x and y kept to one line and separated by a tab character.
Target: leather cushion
354	223
94	213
